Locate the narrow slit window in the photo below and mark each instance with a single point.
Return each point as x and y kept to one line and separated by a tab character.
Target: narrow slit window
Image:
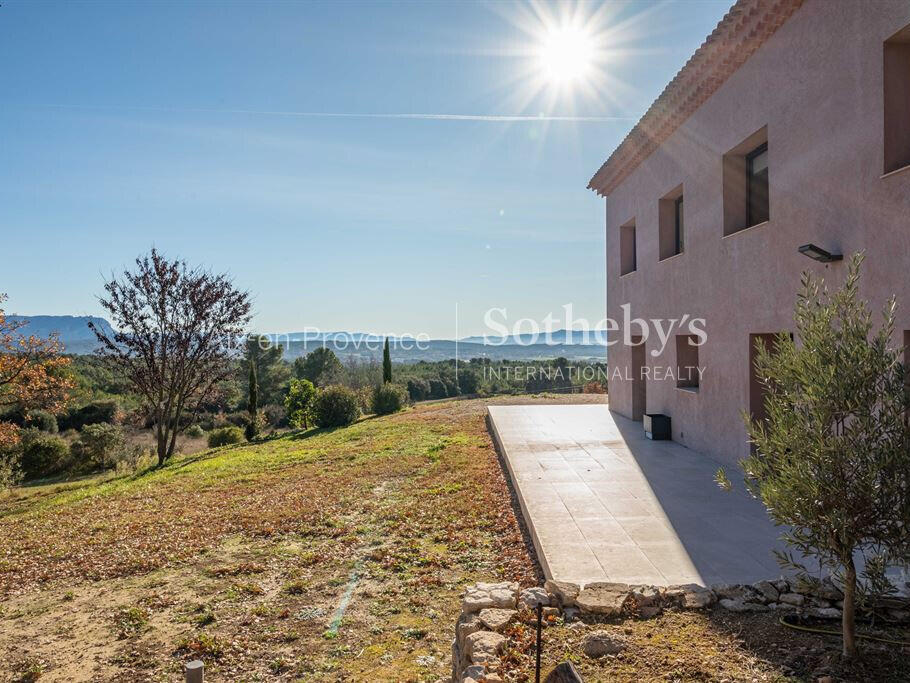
679	234
757	185
671	232
628	256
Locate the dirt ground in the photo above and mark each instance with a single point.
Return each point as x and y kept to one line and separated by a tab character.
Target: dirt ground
332	555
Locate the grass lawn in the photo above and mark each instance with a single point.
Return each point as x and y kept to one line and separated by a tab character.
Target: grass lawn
325	556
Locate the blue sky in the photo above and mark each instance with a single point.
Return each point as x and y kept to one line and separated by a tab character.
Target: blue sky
190	127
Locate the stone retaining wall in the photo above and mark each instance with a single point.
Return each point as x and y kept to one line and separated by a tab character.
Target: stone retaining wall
488	609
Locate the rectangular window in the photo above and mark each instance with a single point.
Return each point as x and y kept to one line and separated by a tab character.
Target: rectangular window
670	224
679	226
628	256
746	184
757	185
897	100
687	367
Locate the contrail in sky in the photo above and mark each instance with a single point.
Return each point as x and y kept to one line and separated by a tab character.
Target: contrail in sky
503	118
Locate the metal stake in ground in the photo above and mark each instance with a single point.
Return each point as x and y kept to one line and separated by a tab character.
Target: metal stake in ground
539	619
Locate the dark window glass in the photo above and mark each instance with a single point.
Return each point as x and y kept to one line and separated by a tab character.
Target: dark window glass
757	185
679	233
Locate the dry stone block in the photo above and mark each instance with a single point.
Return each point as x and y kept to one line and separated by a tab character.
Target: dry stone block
484	647
605	598
767	590
646	596
600	643
482	595
792	599
826	590
564	592
474	674
465	626
742	606
531	597
691	595
564	673
496	619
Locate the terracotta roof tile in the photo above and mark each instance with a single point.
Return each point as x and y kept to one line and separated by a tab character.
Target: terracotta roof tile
744	29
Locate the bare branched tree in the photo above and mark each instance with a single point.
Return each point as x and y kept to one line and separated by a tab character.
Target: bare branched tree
178	328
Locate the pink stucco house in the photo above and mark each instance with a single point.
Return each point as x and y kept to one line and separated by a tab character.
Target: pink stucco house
789	126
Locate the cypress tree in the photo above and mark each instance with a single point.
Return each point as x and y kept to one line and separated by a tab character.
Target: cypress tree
253	404
386	363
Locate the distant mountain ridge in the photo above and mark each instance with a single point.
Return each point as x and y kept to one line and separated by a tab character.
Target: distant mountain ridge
595	337
77	338
73	330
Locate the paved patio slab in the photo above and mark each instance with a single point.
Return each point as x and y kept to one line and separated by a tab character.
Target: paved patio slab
604	503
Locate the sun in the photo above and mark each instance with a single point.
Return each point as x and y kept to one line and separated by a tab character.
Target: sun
567	55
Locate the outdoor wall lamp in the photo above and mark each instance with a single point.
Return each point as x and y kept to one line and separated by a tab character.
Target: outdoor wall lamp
818	254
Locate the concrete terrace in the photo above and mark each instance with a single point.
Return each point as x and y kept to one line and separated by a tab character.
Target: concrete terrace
604	503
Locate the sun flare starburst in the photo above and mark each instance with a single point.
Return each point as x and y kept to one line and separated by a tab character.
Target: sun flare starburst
567	54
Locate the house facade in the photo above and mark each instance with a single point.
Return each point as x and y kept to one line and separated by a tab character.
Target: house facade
789	126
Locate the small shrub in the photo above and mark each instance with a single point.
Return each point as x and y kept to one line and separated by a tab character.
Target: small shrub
253	427
43	420
130	621
202	645
468	382
387	398
43	455
364	396
93	413
238	419
99	445
594	388
451	387
437	389
275	415
195	432
10	467
418	389
335	406
225	436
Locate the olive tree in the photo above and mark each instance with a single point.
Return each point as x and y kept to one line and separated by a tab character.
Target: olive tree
178	328
831	459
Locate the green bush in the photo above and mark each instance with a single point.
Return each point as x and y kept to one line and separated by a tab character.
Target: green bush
99	445
238	419
335	406
468	382
195	432
225	436
275	415
437	389
418	389
387	398
254	426
299	402
43	420
43	455
93	413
